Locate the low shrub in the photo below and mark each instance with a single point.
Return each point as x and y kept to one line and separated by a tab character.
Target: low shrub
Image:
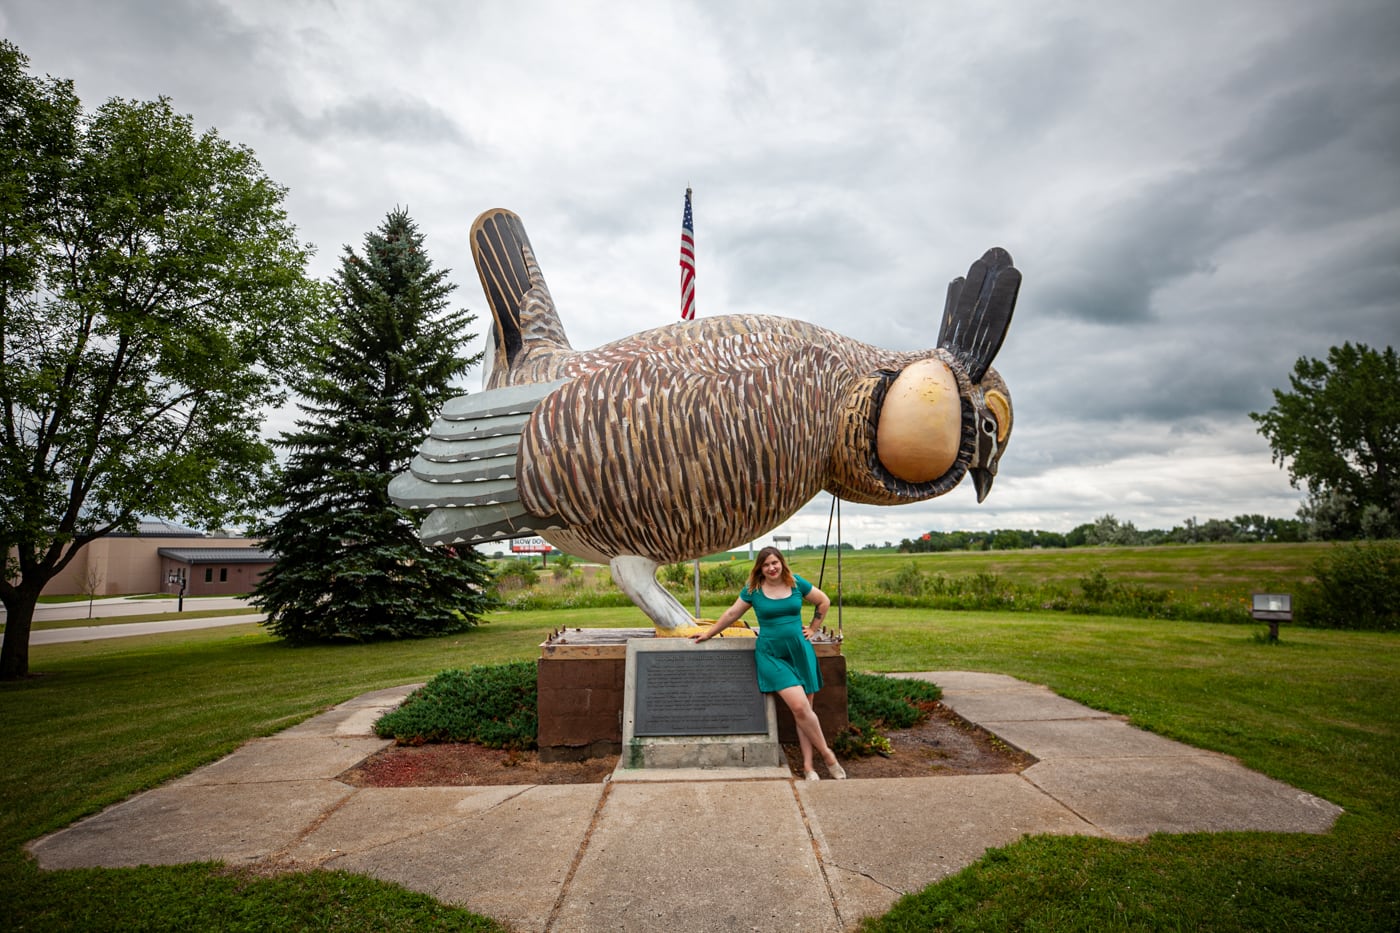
907	581
1097	587
517	574
493	705
563	567
725	577
677	575
1357	586
876	703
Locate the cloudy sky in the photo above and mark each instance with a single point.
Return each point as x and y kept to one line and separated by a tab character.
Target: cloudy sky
1197	193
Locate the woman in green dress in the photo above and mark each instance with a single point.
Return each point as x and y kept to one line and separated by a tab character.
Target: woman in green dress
786	663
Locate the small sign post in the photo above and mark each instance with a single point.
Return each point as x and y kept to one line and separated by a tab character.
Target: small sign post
532	546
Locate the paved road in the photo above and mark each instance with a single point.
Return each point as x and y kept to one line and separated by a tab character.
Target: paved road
122	606
107	608
54	636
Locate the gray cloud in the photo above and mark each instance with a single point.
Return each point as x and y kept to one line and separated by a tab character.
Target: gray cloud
403	121
1198	193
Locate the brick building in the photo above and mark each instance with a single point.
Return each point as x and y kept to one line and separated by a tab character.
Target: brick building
153	560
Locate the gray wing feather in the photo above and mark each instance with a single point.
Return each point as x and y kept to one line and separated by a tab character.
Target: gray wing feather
481	524
465	473
459	471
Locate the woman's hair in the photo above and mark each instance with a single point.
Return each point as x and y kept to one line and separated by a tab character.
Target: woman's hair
756	575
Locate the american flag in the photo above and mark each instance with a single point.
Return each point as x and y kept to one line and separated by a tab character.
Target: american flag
687	262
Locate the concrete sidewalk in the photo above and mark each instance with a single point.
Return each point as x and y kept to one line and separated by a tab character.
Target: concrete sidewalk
684	854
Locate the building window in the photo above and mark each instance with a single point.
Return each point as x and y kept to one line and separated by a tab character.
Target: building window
223	574
208	574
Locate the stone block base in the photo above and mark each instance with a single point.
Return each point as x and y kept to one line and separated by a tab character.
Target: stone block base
582	677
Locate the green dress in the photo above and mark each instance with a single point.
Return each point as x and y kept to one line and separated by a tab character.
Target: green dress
783	654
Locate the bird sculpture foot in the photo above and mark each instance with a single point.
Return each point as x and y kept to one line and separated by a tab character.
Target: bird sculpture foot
636	576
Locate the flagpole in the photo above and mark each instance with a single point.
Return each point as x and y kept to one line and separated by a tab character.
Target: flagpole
688	313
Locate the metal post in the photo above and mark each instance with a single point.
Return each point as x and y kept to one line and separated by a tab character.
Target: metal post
840	596
697	590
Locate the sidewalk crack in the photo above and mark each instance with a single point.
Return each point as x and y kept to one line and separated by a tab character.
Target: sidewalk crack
578	857
818	844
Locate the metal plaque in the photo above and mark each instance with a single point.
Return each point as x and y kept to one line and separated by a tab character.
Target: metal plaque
698	692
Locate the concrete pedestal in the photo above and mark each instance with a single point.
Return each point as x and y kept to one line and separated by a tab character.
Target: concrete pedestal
582	676
698	737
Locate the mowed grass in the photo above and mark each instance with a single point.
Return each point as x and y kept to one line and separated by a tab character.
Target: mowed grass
1320	711
1203	574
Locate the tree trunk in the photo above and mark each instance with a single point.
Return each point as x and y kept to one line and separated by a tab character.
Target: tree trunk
19	618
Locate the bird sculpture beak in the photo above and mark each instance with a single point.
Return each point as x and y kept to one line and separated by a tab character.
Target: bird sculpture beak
982	480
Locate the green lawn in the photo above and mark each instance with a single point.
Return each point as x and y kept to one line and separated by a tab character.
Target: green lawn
1320	710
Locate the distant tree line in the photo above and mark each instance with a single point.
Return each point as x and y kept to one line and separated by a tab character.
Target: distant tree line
1108	530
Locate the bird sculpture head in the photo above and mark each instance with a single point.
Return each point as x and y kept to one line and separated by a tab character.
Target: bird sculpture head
912	431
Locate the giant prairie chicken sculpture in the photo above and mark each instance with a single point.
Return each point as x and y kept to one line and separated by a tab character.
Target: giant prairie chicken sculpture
700	436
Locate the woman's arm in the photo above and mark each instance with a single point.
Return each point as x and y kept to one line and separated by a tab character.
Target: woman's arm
731	615
823	603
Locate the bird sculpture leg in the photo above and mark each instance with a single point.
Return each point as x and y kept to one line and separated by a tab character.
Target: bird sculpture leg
637	578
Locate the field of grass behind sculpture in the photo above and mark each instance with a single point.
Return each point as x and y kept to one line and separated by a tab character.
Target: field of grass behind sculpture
1203	583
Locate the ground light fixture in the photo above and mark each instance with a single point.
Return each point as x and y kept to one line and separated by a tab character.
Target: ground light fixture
1272	608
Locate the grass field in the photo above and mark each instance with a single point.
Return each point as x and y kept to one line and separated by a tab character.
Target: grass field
1320	710
1201	582
1200	573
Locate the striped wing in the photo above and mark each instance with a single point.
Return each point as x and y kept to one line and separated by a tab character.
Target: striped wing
685	451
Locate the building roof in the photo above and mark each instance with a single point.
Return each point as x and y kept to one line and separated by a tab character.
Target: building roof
218	555
155	528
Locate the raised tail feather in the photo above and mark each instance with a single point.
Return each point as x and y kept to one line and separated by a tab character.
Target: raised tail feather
521	307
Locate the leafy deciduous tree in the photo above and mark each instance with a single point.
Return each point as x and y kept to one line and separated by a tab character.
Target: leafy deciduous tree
1338	431
150	287
1109	530
349	564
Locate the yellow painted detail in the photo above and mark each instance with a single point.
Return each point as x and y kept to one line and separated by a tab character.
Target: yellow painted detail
734	631
1001	407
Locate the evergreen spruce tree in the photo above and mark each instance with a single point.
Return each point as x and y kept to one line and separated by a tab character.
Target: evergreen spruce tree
349	564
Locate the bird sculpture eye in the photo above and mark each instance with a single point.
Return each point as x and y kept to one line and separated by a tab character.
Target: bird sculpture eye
989	425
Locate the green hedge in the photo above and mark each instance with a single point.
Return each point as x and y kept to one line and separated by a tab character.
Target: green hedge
875	703
1357	586
492	705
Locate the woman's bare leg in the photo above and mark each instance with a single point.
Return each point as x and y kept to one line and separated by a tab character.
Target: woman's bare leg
809	728
805	744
